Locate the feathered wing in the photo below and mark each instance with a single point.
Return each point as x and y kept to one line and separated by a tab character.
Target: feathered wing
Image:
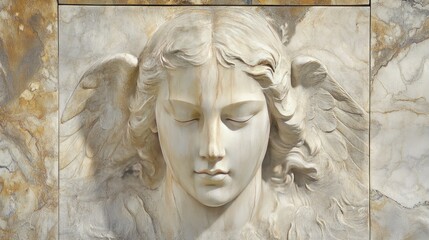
96	157
335	136
95	118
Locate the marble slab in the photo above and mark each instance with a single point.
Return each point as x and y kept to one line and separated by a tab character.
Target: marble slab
398	103
311	2
218	2
156	2
400	120
90	182
28	120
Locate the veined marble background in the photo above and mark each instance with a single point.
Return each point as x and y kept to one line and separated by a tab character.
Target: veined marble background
28	120
397	99
400	119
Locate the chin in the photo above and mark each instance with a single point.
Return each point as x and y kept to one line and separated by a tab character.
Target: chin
214	197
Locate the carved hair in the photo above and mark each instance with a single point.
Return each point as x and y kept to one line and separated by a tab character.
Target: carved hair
237	38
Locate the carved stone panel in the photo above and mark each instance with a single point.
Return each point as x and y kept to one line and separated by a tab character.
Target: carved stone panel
184	123
214	122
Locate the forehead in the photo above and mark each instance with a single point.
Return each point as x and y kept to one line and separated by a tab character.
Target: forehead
210	83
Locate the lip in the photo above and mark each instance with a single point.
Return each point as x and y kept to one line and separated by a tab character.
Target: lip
212	177
211	172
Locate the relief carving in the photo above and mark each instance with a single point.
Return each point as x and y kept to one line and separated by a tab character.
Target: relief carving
213	132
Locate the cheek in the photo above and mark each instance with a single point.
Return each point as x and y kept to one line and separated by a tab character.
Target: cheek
248	146
177	143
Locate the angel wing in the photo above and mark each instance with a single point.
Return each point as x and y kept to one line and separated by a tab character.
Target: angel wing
95	118
335	134
99	167
334	121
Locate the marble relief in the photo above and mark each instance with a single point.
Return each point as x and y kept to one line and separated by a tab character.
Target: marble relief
28	121
223	119
120	176
400	120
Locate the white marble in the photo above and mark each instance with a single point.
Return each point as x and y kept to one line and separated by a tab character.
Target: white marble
228	133
391	220
400	119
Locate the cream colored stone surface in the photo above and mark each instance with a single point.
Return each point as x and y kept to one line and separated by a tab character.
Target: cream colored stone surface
147	137
28	120
400	120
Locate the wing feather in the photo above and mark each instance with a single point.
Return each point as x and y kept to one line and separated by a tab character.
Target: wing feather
353	121
352	137
326	101
325	120
335	146
69	145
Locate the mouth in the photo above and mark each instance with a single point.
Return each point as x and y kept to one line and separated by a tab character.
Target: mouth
212	177
211	172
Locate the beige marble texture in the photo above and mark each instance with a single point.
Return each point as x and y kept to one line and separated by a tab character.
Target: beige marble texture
156	2
220	2
399	94
310	2
28	120
400	120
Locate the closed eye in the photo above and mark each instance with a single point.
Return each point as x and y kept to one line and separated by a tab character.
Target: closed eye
238	114
187	121
235	123
181	111
240	119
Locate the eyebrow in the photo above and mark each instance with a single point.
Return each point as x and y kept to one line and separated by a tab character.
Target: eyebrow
234	105
171	105
249	106
245	102
183	103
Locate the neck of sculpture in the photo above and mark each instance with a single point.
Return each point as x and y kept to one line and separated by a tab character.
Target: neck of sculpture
196	219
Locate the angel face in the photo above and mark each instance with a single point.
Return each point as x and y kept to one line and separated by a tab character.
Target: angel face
213	127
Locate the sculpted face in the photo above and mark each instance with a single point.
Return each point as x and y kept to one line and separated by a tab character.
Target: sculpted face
213	127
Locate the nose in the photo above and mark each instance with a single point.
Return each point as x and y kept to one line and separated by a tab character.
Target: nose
211	143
